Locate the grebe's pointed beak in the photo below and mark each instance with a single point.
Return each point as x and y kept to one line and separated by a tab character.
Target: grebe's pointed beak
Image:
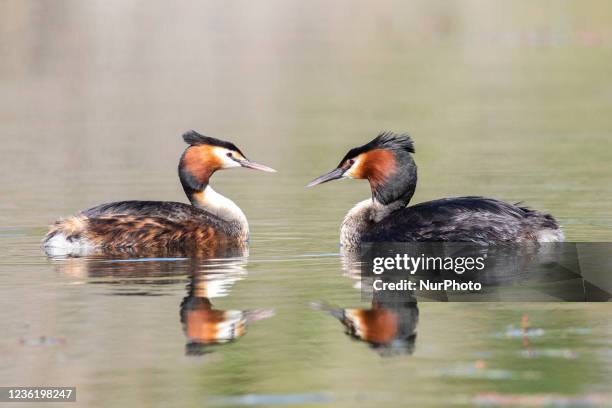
255	166
335	174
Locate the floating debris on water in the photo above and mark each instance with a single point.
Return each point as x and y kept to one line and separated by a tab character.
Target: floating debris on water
479	370
480	364
582	331
525	331
541	400
522	331
550	353
42	341
273	399
515	332
12	232
483	354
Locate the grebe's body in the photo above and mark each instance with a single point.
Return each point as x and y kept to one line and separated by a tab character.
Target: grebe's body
138	225
210	221
386	162
461	219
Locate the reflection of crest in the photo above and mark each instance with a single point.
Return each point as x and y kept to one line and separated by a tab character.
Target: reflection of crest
389	326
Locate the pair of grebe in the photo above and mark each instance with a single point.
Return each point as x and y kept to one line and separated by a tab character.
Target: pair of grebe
214	220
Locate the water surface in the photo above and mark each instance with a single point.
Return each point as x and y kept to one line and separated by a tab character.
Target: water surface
508	100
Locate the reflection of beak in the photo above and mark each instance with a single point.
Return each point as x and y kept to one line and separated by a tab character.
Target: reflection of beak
332	175
255	166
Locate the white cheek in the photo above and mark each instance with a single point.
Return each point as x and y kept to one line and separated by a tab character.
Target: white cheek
226	161
229	163
350	173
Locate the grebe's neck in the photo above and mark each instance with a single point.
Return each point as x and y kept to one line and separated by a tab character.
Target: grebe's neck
219	205
362	217
391	191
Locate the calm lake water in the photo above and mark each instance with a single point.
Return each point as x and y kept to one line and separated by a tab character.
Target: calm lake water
505	99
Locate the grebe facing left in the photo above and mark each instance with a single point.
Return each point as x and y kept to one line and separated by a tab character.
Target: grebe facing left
386	162
210	220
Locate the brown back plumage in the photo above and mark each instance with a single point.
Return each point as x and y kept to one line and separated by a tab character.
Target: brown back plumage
140	232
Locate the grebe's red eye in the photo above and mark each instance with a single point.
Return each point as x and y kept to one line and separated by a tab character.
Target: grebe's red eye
229	154
351	162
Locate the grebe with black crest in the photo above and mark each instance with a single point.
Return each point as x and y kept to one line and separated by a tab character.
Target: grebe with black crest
387	163
211	220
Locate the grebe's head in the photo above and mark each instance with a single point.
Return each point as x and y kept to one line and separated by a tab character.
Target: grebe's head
386	162
205	155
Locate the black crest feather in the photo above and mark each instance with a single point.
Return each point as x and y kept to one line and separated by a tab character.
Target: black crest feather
194	138
384	140
394	141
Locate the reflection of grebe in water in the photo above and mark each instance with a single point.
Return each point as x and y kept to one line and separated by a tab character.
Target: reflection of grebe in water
205	326
211	220
389	326
208	278
390	329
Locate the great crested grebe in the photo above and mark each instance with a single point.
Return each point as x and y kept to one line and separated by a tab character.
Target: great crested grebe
210	220
386	162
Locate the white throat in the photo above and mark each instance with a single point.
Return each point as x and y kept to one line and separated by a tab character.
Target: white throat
360	218
221	206
372	210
